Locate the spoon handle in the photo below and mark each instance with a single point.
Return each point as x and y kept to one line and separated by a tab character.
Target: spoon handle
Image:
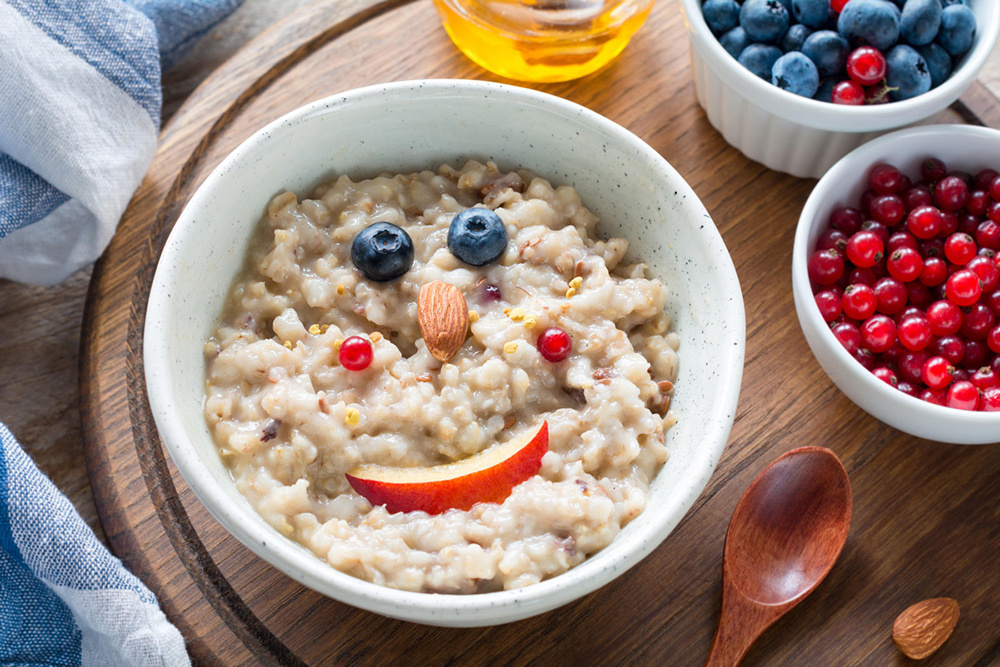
740	624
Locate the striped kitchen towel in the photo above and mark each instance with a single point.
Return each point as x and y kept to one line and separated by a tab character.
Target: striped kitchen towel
64	600
79	115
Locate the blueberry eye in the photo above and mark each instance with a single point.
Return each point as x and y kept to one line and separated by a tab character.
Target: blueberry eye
382	252
477	236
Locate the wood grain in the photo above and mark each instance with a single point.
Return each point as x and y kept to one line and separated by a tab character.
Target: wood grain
925	517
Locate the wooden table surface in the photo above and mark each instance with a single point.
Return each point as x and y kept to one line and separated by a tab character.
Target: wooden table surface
40	326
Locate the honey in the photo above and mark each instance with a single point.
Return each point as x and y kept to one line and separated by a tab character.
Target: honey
542	40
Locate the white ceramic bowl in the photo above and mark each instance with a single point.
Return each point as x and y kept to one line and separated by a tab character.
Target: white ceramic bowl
961	147
408	126
801	136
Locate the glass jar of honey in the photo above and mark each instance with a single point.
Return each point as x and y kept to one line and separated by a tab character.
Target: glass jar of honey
542	40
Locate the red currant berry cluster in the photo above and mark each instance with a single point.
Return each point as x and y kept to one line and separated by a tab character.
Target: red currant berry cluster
909	282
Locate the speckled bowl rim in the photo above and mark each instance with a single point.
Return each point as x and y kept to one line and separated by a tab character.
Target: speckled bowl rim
443	609
966	427
833	117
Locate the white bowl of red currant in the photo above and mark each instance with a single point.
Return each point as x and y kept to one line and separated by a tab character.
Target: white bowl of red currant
797	84
896	279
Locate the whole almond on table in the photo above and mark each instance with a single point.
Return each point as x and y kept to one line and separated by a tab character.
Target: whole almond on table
443	317
922	628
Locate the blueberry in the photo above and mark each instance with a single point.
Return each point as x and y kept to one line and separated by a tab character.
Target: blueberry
958	29
948	3
874	22
735	41
906	70
721	15
477	236
919	21
811	13
765	20
828	51
795	37
760	58
825	92
795	73
382	251
938	62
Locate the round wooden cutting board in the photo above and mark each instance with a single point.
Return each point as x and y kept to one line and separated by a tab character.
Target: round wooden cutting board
925	520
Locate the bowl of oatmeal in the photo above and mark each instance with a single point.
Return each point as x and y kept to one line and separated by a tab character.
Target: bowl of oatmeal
516	400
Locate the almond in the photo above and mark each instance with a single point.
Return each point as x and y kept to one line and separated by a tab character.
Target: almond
443	317
922	628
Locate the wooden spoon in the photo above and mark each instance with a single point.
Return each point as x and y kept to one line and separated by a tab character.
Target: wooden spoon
786	533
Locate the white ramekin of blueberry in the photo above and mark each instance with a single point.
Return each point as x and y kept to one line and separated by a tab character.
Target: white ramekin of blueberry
766	71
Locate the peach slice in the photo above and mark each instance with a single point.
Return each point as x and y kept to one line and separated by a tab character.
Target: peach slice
486	477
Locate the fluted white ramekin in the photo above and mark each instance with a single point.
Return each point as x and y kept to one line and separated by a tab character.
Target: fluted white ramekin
801	136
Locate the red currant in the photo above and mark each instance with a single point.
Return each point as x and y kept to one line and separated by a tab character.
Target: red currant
924	222
356	353
977	321
859	302
884	179
878	333
978	202
995	189
959	248
826	267
935	272
828	302
908	388
987	270
988	234
949	224
901	240
993	301
832	239
975	354
915	333
911	364
991	399
918	196
846	219
933	170
866	65
993	339
868	276
888	209
891	295
945	318
963	395
905	265
848	336
937	373
886	375
934	396
554	344
848	93
985	177
865	248
984	378
918	294
950	193
963	288
951	348
968	224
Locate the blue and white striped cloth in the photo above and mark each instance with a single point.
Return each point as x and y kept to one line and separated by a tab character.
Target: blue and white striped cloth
64	600
79	115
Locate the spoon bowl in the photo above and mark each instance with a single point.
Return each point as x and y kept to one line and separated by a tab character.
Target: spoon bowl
786	533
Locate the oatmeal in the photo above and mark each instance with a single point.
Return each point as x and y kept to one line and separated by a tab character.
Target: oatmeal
291	420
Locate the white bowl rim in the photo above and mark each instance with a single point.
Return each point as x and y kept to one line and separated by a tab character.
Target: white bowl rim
836	117
845	170
441	609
